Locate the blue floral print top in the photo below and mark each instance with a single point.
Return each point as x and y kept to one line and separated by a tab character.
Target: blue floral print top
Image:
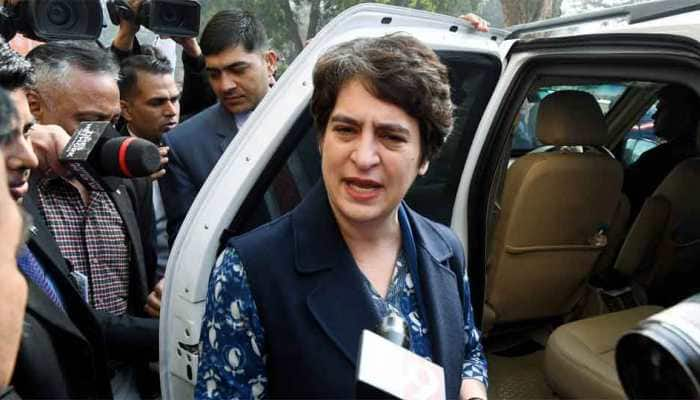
232	361
232	358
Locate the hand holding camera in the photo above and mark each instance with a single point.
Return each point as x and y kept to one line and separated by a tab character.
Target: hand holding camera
189	45
176	18
48	20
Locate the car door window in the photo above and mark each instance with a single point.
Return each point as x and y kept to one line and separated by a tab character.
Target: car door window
640	138
525	137
296	165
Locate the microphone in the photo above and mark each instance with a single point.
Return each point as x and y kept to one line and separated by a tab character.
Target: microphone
134	157
387	369
97	149
394	329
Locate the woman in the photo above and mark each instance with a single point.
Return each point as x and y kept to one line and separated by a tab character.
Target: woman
288	301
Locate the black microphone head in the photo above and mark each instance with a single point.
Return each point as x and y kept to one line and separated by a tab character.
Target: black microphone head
394	329
129	157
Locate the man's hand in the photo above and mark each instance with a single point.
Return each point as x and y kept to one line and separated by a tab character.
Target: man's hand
189	45
477	22
472	389
153	303
124	40
163	162
48	142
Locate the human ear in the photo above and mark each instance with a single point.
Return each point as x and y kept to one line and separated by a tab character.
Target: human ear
320	143
126	110
271	62
423	168
36	104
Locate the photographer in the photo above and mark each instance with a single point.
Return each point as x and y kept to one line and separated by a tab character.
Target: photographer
196	92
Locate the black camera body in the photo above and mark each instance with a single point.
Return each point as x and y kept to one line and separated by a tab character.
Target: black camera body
48	20
178	18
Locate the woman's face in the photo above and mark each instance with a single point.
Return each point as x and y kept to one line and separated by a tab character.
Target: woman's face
370	156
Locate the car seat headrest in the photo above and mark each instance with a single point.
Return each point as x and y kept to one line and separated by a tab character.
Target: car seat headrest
569	118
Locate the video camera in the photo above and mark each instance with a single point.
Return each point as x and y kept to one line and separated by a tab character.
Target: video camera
179	18
48	20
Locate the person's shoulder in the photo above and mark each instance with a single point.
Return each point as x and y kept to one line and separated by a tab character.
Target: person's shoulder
429	225
266	235
263	249
655	155
135	187
432	232
195	126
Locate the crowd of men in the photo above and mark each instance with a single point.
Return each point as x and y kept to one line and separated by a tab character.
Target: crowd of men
96	249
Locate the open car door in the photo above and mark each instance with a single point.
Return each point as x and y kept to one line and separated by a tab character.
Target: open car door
660	47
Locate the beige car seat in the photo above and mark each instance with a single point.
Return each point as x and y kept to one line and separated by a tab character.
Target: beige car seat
556	208
662	250
662	253
580	356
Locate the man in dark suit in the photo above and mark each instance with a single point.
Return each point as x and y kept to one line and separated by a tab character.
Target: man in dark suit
95	223
241	69
150	101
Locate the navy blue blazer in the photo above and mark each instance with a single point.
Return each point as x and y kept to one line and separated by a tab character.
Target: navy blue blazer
195	147
313	304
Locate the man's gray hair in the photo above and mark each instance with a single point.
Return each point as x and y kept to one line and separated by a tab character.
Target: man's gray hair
54	61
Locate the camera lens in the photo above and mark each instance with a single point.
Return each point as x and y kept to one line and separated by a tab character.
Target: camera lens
59	12
179	18
655	365
660	359
64	19
170	15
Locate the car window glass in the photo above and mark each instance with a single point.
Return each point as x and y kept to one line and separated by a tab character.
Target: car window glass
296	165
525	137
640	138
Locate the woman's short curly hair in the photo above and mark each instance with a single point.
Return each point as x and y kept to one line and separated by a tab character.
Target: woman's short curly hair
395	68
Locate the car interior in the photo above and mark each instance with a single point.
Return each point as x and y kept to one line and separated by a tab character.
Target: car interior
568	268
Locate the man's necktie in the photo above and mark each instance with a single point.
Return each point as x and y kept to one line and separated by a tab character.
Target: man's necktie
30	266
